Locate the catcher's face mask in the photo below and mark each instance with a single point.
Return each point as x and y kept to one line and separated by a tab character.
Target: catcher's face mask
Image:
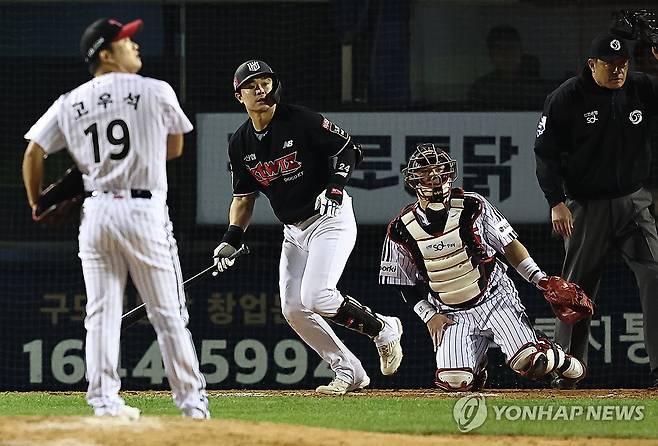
431	172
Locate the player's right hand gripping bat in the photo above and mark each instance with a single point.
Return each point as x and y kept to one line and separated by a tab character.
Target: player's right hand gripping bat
136	314
568	301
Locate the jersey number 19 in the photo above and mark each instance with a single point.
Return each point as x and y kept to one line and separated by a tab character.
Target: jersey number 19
123	140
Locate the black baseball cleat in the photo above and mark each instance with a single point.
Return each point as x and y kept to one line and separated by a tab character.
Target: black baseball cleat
560	383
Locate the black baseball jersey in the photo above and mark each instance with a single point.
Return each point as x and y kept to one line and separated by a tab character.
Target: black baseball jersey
289	161
594	141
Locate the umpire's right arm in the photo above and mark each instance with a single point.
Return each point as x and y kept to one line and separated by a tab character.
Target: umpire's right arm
548	155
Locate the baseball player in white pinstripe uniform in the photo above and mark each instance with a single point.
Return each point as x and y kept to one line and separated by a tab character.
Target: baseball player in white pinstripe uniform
439	252
120	129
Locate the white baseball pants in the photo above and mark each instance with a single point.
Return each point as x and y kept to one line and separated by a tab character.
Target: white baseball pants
120	236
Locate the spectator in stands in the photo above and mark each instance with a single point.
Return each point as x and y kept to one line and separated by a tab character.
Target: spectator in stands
514	83
593	156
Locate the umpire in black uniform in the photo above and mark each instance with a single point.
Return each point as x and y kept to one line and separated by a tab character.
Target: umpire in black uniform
593	156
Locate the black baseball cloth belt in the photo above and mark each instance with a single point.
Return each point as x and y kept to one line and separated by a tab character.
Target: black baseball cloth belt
134	193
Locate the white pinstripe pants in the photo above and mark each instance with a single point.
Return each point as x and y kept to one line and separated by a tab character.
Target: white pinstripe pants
500	318
120	236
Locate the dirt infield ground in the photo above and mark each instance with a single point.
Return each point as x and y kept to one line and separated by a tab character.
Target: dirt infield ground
170	431
435	393
152	431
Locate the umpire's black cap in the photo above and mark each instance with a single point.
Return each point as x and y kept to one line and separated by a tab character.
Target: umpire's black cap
103	31
608	47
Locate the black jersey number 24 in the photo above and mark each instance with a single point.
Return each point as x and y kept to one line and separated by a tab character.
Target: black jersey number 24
123	140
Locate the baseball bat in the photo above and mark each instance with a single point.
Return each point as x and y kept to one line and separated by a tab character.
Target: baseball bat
138	313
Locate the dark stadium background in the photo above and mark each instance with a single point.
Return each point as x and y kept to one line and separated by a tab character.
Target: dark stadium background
303	41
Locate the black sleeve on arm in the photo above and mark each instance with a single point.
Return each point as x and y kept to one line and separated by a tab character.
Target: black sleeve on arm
324	135
342	168
547	154
243	182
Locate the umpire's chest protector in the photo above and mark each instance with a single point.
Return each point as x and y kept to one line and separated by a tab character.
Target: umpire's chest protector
454	259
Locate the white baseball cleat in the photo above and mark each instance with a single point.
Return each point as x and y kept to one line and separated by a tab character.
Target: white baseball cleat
340	387
390	352
126	413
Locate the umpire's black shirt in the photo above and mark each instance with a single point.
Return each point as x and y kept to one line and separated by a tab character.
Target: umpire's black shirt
288	161
593	141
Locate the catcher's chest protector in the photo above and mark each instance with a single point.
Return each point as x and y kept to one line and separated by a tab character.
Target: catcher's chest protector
452	257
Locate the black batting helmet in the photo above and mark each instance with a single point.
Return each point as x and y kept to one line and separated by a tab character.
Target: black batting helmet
254	68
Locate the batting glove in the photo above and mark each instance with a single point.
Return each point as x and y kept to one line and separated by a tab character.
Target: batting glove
220	257
329	202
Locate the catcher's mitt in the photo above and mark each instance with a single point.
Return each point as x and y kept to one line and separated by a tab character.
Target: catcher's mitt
569	302
59	202
637	25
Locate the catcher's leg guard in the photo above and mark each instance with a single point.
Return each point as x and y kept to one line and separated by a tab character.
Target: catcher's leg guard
572	368
564	365
535	360
357	317
530	361
456	380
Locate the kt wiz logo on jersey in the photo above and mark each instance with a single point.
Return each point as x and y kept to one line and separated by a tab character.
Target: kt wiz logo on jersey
267	171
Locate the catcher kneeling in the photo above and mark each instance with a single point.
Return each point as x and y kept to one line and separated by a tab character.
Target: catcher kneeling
439	252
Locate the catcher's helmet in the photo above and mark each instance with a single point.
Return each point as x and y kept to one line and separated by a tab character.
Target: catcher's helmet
430	172
254	68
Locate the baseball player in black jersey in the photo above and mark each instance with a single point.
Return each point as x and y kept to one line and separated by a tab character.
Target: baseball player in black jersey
439	252
593	154
302	161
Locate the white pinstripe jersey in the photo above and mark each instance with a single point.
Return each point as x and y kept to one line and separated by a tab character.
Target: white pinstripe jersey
115	127
398	267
